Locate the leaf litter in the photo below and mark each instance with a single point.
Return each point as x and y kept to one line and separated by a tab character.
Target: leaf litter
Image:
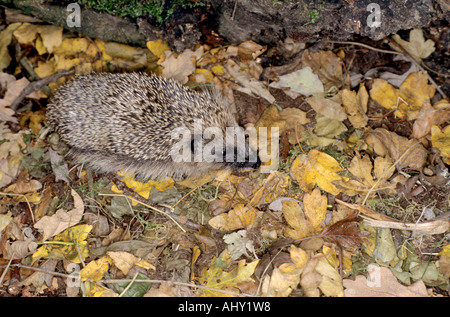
341	215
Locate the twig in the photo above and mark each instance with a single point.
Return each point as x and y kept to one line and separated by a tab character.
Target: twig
6	269
133	195
234	10
129	285
404	53
26	199
37	85
177	283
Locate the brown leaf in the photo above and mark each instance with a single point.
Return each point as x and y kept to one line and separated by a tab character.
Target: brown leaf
428	117
345	233
382	283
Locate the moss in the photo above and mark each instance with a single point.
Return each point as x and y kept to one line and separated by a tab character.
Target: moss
157	9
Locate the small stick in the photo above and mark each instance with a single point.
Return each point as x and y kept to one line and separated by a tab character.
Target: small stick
404	53
37	85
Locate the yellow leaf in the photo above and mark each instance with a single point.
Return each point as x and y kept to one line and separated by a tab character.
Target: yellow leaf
317	168
441	140
26	33
408	100
5	40
143	189
295	217
202	76
69	245
44	69
51	36
355	105
72	46
331	284
239	217
96	290
216	277
158	48
95	270
363	181
218	70
315	206
299	256
124	261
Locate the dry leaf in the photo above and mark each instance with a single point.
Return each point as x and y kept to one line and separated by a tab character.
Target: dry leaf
441	140
317	168
296	218
382	283
408	99
239	217
355	105
61	220
301	82
327	107
327	66
363	180
250	50
179	68
345	233
386	143
248	84
417	47
13	89
315	206
5	40
428	117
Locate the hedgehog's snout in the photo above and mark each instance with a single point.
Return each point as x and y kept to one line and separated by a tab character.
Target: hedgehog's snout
251	159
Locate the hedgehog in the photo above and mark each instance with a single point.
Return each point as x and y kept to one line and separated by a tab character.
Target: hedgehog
148	125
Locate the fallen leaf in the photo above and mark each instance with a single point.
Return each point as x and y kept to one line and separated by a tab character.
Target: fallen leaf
295	217
238	244
70	245
441	140
248	84
13	90
428	117
286	277
61	220
345	233
327	107
180	67
250	50
329	128
5	40
407	101
382	283
363	180
124	261
315	206
317	168
417	47
410	153
355	105
215	276
301	82
330	284
327	66
239	217
95	270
